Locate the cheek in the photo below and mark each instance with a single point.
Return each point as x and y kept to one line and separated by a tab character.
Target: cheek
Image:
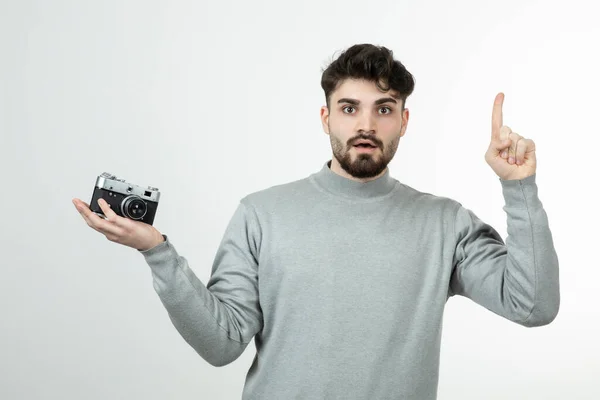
341	129
390	125
343	126
390	128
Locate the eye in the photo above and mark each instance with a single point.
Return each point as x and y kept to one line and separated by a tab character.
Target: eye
386	108
346	107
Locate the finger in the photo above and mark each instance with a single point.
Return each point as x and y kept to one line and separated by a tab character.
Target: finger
105	207
497	114
520	148
507	148
96	222
103	226
83	208
505	132
515	137
503	140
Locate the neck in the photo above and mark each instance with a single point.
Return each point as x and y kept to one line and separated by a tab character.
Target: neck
354	189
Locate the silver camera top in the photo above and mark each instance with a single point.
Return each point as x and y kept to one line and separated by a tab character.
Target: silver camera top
110	182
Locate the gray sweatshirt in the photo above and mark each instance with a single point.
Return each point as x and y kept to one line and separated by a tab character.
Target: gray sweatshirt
342	284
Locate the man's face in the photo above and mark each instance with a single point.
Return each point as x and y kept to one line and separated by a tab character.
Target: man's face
359	111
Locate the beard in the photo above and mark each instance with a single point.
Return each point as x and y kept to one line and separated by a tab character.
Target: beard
363	165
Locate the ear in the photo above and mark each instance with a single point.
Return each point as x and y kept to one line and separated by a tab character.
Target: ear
325	119
405	115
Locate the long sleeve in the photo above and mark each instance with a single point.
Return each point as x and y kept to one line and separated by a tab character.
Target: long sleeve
217	320
518	280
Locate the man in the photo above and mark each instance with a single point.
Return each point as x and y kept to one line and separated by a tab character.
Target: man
342	277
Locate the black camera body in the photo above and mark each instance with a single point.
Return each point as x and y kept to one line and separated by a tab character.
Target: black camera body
125	199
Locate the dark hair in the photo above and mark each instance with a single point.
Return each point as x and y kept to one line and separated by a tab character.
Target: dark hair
370	62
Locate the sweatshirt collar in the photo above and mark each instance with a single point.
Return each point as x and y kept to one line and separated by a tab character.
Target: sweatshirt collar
349	188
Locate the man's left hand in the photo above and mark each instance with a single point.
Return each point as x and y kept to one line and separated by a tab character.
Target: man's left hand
510	155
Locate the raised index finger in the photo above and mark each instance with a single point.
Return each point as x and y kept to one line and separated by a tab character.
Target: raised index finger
497	114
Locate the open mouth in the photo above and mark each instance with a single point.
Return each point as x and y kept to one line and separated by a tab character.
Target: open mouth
364	145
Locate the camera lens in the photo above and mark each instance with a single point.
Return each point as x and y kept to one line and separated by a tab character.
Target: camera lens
134	207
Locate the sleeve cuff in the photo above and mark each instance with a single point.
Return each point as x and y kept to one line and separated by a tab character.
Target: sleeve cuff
518	182
159	253
520	192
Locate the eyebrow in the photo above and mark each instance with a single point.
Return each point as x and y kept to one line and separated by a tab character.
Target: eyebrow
377	102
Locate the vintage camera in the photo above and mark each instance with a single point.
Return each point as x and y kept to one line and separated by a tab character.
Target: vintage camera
125	199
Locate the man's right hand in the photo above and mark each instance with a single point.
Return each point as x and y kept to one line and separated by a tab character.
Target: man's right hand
125	231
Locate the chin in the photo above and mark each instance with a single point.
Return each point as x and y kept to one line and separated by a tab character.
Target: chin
365	166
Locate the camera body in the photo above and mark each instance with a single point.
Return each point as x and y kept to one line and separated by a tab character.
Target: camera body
125	199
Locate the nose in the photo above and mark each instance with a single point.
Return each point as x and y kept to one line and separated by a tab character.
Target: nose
366	124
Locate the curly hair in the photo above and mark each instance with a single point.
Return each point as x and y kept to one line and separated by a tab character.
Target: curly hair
372	63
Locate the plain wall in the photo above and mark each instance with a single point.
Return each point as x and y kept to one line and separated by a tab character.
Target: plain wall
209	101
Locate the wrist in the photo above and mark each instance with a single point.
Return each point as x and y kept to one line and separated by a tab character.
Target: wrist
159	238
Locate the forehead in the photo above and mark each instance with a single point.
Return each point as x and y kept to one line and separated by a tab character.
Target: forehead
360	89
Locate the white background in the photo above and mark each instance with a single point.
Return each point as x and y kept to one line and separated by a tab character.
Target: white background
210	101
